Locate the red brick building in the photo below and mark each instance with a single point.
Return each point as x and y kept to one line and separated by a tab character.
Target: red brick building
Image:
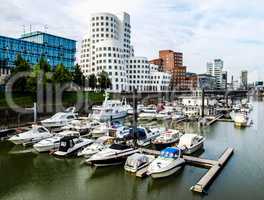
172	62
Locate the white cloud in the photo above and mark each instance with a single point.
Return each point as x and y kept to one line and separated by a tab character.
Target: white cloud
203	30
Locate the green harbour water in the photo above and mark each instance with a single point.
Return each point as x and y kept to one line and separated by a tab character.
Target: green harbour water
26	175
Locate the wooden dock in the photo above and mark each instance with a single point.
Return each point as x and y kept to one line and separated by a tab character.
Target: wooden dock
205	181
214	120
214	166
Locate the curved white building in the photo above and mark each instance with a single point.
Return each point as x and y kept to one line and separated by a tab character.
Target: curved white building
108	48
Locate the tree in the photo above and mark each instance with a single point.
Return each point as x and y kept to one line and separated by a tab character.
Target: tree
44	65
61	74
21	65
92	81
104	81
40	74
78	77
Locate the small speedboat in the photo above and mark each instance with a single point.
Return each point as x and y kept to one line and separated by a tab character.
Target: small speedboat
189	143
116	154
35	134
60	119
138	161
71	145
169	162
53	143
167	138
100	144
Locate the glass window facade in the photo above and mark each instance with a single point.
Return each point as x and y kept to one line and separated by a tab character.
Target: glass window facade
32	45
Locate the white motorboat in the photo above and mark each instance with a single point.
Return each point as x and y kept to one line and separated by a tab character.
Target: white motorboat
147	116
138	161
149	109
100	144
164	115
48	144
148	113
189	143
60	119
71	145
101	130
83	126
130	109
146	135
169	162
35	134
240	119
110	110
167	138
178	116
53	143
123	132
116	154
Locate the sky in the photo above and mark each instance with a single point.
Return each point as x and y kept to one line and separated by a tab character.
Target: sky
203	30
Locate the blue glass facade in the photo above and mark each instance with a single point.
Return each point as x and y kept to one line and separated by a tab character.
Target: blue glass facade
32	46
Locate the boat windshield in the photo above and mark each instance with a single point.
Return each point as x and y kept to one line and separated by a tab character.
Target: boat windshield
170	153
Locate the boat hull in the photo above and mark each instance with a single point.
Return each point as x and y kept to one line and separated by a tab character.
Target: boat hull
42	149
166	173
193	149
108	162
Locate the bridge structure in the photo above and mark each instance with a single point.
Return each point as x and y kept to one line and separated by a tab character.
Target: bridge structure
172	95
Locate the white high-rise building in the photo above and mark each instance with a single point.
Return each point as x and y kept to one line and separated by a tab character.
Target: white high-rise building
216	69
108	48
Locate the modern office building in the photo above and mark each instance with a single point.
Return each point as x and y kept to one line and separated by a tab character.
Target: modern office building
31	46
206	81
216	69
244	79
107	47
172	62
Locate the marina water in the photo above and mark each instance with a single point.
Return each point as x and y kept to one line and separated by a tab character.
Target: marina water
27	175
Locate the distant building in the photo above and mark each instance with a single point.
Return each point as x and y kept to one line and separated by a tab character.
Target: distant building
191	80
244	79
206	81
31	46
107	47
224	79
216	69
172	62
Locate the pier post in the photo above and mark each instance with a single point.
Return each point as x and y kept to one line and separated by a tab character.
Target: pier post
135	116
202	102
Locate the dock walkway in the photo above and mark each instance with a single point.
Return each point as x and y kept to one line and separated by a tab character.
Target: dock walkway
214	166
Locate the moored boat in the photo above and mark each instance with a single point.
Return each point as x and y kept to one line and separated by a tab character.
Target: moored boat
169	162
35	134
116	154
138	161
190	143
167	138
71	145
